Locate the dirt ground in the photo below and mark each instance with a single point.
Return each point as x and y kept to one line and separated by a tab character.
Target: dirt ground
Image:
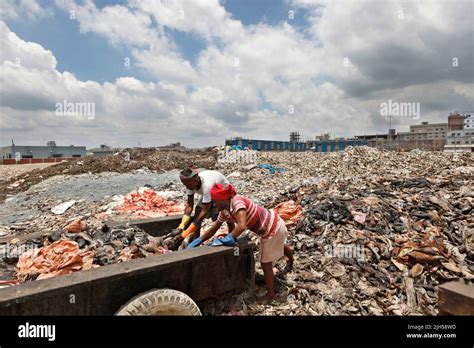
124	161
7	172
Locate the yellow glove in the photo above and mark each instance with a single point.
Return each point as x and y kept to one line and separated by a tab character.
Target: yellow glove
191	229
184	222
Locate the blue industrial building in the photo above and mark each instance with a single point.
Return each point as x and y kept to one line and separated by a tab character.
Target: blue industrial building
314	145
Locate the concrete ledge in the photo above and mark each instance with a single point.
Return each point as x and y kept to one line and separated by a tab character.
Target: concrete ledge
456	298
155	227
201	273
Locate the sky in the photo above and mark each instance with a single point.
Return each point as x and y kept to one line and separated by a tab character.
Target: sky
154	72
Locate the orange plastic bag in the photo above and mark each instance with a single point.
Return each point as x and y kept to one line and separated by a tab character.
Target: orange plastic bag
60	257
290	212
150	204
76	226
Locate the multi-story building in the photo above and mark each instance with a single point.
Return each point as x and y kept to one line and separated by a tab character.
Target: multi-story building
460	141
428	131
455	121
460	137
468	122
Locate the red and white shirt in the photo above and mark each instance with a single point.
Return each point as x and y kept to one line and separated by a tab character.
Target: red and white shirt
260	220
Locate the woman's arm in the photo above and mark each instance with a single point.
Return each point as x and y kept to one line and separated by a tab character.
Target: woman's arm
240	223
211	231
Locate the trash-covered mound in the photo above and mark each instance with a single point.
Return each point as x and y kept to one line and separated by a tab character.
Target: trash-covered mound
124	161
77	248
362	166
376	233
97	198
380	231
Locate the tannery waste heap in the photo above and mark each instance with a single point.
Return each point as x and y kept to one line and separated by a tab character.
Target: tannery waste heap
374	232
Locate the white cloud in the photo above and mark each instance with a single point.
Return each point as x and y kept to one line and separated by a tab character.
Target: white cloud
207	18
246	78
27	54
18	9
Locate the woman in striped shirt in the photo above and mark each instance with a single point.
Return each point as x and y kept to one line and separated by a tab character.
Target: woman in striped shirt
247	215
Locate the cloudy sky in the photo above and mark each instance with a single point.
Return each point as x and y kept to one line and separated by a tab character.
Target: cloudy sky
200	71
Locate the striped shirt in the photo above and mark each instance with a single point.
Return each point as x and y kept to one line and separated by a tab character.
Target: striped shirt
261	221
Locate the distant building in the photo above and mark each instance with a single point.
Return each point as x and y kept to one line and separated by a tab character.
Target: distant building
332	145
468	122
266	145
455	122
310	145
294	137
321	137
378	140
36	152
460	141
427	130
101	151
460	137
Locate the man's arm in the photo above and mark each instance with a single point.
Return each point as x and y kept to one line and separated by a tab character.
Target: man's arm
202	214
188	209
189	205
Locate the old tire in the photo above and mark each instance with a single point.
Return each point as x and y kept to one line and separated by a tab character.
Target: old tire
160	302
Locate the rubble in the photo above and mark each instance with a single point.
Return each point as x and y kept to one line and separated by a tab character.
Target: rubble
374	232
8	172
96	198
380	231
124	161
62	252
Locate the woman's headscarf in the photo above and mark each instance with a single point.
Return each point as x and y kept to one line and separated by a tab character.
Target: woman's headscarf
219	192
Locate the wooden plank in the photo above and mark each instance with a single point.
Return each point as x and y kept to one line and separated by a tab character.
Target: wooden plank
456	298
410	292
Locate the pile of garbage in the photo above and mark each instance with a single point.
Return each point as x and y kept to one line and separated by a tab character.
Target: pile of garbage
78	247
54	202
380	231
58	258
149	204
375	232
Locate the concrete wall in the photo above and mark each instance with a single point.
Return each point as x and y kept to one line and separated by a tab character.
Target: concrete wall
6	161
